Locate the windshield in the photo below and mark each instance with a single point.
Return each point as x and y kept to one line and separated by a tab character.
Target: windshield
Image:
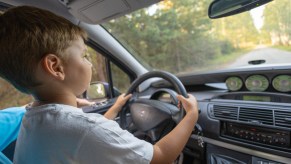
177	36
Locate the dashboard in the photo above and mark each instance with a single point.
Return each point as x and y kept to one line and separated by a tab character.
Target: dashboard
245	115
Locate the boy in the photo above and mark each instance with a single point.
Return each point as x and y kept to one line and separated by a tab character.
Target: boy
43	54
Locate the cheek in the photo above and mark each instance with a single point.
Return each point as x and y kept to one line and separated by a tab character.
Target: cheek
79	73
81	78
89	71
84	71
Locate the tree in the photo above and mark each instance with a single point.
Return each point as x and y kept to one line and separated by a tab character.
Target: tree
238	29
277	22
173	38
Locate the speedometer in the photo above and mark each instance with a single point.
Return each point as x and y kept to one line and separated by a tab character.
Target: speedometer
282	83
233	83
257	83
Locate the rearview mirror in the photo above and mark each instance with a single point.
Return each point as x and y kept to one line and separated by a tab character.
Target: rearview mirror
223	8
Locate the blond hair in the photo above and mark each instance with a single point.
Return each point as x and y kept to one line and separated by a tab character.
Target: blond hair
27	34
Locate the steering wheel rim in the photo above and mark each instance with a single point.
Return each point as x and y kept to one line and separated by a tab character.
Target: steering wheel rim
172	79
177	84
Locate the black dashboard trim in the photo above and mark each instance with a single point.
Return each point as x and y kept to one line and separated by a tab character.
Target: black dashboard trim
244	150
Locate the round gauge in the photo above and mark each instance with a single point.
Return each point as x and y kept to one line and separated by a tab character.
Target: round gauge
166	97
233	83
257	83
282	83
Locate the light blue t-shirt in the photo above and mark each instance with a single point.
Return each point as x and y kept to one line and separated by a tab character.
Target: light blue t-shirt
10	120
57	133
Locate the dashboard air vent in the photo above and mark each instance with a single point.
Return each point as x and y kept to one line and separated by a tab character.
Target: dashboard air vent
225	112
283	118
258	116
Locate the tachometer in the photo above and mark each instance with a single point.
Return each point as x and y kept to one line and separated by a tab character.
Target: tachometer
234	83
257	83
282	83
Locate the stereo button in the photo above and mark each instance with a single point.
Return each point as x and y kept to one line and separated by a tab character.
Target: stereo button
276	140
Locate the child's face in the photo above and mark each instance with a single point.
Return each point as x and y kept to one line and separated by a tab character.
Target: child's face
77	68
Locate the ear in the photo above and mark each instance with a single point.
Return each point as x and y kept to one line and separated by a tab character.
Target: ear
53	65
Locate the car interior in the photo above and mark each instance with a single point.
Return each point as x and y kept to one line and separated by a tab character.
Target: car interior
244	112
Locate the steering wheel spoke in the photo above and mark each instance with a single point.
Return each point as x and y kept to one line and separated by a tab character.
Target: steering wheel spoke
148	114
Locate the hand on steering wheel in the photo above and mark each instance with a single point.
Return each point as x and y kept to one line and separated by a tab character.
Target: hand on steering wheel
147	114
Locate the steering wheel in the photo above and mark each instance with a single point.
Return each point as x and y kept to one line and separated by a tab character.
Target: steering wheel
147	114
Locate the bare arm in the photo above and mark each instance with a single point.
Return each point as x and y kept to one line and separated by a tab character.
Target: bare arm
83	102
114	110
171	145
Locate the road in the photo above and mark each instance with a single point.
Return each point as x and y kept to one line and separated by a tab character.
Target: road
270	55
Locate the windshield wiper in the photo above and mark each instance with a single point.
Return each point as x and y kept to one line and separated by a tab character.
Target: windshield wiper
256	62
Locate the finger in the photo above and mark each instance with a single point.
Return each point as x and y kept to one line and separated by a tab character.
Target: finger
128	96
190	96
181	98
179	104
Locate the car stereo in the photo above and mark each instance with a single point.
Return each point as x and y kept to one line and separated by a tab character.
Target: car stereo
259	135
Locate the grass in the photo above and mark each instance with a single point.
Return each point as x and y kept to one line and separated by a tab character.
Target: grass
227	59
221	61
286	48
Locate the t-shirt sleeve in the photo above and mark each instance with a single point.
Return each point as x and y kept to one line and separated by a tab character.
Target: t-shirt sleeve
106	142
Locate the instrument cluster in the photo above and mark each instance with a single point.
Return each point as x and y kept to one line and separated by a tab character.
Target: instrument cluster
165	95
259	83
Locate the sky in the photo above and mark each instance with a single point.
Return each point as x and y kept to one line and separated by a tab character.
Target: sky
257	15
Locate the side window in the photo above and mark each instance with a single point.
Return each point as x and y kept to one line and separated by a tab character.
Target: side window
99	65
11	97
120	79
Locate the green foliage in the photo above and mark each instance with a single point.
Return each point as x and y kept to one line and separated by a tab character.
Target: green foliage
277	23
285	48
239	30
226	47
120	80
181	37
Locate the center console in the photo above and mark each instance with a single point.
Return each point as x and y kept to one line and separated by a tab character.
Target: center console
245	132
220	155
267	137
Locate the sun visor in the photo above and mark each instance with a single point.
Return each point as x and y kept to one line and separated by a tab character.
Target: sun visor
99	11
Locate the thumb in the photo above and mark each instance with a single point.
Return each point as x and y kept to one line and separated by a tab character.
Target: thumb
181	98
128	96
